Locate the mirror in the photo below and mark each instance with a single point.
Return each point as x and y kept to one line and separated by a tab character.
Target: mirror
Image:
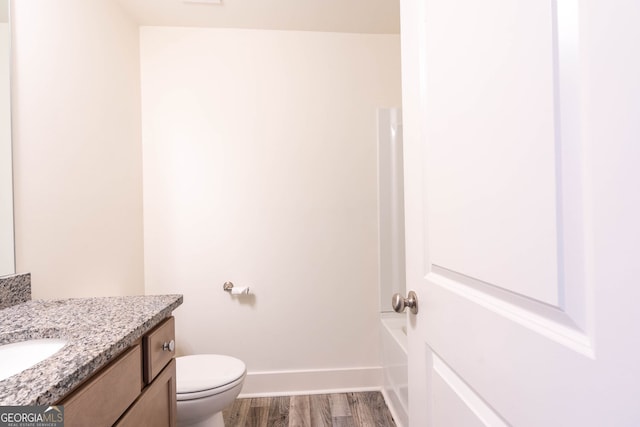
7	255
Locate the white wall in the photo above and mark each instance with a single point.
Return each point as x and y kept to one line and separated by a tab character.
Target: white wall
259	153
7	265
78	187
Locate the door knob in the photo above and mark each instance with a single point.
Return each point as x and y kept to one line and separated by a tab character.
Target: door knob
399	304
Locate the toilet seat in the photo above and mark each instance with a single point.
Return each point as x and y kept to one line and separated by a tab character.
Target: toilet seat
204	375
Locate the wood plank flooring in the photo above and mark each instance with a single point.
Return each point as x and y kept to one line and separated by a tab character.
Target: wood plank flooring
363	409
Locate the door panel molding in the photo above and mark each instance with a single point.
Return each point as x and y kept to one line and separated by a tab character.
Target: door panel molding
484	414
491	148
567	242
572	217
538	317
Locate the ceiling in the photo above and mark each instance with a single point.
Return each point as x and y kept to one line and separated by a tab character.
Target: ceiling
345	16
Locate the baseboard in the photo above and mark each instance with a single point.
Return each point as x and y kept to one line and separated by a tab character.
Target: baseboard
398	413
318	381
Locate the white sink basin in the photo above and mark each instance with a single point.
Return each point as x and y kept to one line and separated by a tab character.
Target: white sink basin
16	357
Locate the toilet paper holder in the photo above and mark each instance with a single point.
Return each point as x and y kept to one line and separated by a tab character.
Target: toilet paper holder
228	287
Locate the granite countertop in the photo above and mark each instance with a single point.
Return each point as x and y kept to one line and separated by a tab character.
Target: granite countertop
96	329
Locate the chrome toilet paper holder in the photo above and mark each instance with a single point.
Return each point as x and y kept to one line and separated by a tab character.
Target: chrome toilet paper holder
240	290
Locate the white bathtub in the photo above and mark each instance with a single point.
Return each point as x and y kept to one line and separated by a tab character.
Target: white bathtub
394	363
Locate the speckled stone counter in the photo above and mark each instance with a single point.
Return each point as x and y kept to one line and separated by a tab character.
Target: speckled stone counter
15	289
97	330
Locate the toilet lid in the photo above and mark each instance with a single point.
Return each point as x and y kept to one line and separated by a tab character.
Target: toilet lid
206	371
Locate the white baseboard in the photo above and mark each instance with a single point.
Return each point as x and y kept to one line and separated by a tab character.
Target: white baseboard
318	381
398	413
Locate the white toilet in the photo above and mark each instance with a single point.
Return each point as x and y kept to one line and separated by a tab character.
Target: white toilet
205	385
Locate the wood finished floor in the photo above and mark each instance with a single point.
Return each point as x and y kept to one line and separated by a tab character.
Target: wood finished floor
363	409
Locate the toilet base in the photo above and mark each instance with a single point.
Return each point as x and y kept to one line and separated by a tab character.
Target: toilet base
215	420
204	408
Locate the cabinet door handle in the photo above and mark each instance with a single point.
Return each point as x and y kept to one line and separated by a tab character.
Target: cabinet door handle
169	346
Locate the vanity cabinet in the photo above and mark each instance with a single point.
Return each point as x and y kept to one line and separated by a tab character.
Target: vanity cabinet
157	404
108	394
138	388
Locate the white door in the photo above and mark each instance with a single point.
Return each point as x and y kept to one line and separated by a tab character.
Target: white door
522	204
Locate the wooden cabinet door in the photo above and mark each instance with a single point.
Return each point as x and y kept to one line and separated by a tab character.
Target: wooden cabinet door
157	403
102	399
156	348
